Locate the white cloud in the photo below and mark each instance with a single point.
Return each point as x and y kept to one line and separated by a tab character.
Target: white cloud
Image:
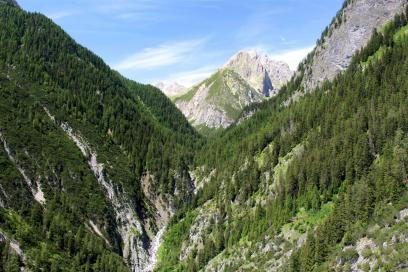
189	78
60	14
163	55
292	57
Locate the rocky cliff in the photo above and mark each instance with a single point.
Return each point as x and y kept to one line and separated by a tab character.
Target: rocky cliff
349	32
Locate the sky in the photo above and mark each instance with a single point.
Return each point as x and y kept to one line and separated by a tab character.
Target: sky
187	40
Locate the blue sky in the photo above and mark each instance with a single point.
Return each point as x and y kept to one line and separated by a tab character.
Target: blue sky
186	40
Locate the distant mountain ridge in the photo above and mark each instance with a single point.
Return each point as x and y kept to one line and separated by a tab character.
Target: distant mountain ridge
171	89
217	101
248	77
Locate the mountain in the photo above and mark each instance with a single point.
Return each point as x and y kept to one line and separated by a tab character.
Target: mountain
263	74
316	185
171	89
246	78
92	165
350	31
217	101
101	173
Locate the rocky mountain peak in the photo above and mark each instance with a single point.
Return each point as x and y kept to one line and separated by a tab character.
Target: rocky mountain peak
264	74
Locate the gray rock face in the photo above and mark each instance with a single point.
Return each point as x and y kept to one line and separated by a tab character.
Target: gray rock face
10	2
349	33
263	74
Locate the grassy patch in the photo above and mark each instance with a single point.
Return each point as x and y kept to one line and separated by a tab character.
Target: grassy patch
168	254
306	220
376	57
187	96
208	132
401	35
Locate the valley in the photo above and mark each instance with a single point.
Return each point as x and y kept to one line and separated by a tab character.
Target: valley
255	168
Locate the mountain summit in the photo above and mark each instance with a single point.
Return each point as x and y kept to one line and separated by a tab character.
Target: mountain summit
265	75
248	77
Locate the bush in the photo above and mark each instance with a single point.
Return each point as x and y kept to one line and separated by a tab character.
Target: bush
349	255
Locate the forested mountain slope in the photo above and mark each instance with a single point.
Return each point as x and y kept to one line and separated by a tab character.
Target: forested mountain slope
316	185
92	165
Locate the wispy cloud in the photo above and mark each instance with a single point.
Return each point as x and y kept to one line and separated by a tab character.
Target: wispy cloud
292	57
258	24
60	14
151	10
191	77
163	55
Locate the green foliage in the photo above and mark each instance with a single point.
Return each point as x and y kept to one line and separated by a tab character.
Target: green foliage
349	255
134	129
52	237
170	249
306	220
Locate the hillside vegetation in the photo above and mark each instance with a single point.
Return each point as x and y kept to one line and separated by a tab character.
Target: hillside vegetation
53	90
343	145
94	167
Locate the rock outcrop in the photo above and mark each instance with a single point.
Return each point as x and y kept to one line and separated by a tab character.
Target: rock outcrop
35	187
349	32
